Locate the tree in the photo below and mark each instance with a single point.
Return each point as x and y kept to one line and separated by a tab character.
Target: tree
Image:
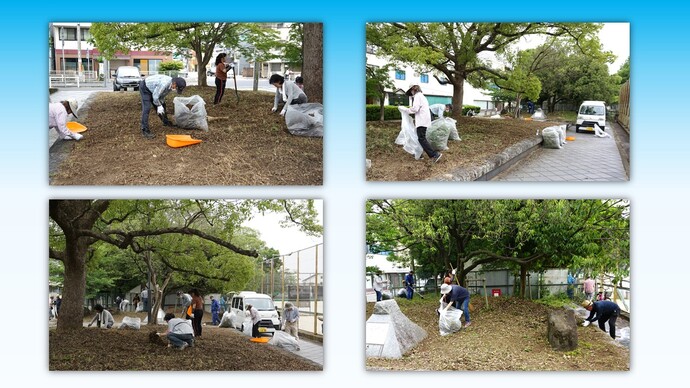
624	71
469	234
455	50
75	225
202	38
377	83
521	80
312	66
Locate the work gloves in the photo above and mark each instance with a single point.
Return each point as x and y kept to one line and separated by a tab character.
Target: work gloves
275	108
586	323
76	136
282	112
160	110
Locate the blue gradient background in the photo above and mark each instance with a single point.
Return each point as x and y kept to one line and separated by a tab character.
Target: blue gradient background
658	188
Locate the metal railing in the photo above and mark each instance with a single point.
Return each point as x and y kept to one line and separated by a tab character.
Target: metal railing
296	277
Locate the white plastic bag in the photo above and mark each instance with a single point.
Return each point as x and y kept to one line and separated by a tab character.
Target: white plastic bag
305	119
190	118
449	321
284	340
438	133
551	138
408	134
247	326
226	319
130	323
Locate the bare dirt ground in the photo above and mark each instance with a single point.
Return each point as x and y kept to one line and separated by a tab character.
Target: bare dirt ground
218	349
508	335
481	139
246	144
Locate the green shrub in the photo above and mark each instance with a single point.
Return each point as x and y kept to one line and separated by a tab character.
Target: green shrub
389	113
392	113
467	108
170	66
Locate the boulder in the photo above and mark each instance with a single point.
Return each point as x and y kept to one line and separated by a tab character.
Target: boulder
562	330
389	333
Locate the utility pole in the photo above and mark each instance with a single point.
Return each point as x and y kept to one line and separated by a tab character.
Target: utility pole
78	53
62	39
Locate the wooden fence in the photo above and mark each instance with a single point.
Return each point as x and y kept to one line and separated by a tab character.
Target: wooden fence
624	106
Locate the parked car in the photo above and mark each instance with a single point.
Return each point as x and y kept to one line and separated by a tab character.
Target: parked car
590	113
126	77
270	319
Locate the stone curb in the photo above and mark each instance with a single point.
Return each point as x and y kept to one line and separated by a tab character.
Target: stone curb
495	165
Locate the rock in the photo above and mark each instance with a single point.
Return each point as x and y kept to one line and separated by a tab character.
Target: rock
389	333
562	330
368	163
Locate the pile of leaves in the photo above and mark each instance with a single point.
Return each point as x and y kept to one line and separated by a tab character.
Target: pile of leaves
481	139
246	144
218	349
508	334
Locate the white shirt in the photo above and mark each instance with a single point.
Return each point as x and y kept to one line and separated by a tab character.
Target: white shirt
254	314
378	283
420	110
180	326
57	118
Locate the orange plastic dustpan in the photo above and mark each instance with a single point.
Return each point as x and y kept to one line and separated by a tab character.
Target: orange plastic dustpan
262	340
177	141
570	138
75	127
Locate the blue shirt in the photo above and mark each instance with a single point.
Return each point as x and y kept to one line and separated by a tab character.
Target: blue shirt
458	293
215	306
604	307
409	279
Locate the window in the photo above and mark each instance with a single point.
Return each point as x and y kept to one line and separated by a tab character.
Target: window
85	34
275	67
424	78
69	33
400	74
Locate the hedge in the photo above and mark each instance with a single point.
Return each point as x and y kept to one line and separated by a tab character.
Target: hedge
392	112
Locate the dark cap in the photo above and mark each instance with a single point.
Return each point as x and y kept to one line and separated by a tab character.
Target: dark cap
180	83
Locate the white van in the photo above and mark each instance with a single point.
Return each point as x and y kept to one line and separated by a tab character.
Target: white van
270	320
590	113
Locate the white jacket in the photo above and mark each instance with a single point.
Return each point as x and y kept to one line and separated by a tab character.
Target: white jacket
420	110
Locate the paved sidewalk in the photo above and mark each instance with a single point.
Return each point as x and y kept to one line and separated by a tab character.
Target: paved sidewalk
310	350
586	159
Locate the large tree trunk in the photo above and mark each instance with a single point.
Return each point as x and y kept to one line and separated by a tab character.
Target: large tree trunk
74	216
516	114
72	307
312	66
382	104
523	280
458	92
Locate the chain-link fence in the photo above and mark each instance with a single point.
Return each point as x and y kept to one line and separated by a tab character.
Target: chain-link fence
297	278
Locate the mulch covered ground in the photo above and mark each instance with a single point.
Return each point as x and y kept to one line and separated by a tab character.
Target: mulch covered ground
246	144
218	349
508	335
481	139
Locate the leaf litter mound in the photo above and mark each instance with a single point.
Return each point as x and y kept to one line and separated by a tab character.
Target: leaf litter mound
508	335
219	349
246	144
481	140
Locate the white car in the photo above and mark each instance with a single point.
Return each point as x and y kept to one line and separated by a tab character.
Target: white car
270	319
590	113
